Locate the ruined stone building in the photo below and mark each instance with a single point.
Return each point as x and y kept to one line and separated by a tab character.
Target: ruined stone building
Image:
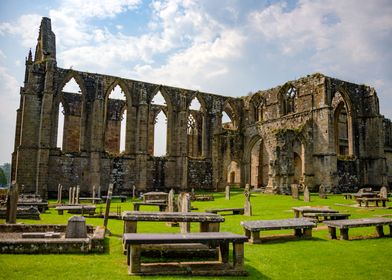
314	130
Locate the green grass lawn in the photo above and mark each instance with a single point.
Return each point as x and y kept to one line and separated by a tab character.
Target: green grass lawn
318	258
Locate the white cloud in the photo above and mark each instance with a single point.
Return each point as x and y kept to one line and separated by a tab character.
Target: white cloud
26	27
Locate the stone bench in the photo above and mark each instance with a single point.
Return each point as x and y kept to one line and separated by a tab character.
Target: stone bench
302	227
91	199
298	211
123	198
326	216
376	200
345	225
235	211
162	206
34	235
76	209
41	206
220	267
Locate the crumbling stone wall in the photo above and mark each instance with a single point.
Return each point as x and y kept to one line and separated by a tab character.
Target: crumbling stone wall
297	123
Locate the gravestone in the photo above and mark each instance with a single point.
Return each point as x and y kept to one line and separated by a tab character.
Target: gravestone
133	192
306	194
227	193
99	191
76	227
171	206
185	206
70	196
384	192
94	193
107	210
77	194
12	203
248	205
322	192
294	191
59	193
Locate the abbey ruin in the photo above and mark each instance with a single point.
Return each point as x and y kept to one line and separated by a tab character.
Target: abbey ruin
313	131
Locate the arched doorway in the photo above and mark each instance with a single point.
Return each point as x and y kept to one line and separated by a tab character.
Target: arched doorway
259	165
233	173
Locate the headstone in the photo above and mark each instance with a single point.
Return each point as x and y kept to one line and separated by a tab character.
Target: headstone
133	192
384	192
12	203
227	193
170	201
61	194
294	191
192	193
99	192
76	227
185	203
322	192
306	194
73	195
77	194
107	210
248	205
94	192
70	196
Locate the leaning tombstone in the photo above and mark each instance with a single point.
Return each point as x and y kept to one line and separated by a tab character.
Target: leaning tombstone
227	193
322	192
171	206
294	191
12	203
107	210
306	194
248	205
76	227
383	192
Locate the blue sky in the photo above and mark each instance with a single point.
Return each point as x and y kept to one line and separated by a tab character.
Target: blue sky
230	47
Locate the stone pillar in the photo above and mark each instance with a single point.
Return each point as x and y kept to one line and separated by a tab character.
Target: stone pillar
12	204
133	192
94	193
247	206
76	227
70	195
227	193
170	201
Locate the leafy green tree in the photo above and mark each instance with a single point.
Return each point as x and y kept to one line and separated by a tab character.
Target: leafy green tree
3	178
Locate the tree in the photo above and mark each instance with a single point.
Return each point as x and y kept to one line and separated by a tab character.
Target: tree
3	178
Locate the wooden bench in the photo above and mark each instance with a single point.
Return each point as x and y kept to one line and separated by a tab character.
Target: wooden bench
345	225
326	216
162	206
302	227
220	267
299	211
376	200
76	209
235	211
208	222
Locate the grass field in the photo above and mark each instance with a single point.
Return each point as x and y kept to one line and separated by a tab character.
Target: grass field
318	258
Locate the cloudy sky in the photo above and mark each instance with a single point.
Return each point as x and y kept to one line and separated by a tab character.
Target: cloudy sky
228	47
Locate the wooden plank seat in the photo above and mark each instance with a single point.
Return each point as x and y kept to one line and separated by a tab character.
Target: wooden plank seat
345	225
208	222
376	200
299	211
302	227
219	267
161	205
235	211
76	209
326	216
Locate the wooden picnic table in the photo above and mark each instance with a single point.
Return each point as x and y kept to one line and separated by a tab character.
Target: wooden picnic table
345	225
302	227
134	242
208	222
298	211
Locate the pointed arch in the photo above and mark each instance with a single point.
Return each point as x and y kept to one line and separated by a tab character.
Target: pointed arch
233	173
196	122
287	96
232	121
256	108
